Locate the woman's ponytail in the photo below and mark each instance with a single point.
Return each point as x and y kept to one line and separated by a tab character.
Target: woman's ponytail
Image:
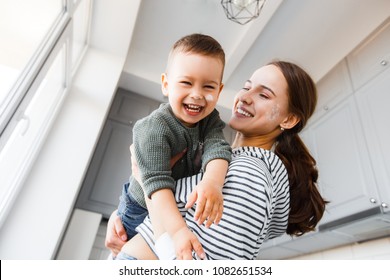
306	203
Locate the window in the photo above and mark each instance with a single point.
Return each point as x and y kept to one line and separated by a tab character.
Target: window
38	39
24	30
80	34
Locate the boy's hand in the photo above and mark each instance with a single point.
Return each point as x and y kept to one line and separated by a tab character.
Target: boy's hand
185	242
209	202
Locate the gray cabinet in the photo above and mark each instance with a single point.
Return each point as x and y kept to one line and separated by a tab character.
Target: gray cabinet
346	177
371	57
347	134
337	141
370	72
335	87
373	104
110	165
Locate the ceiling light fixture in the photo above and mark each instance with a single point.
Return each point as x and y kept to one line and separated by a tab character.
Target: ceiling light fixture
242	11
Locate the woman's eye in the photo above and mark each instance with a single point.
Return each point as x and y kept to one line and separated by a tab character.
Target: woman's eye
245	88
262	95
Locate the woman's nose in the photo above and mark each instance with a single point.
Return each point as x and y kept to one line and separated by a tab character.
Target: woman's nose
245	97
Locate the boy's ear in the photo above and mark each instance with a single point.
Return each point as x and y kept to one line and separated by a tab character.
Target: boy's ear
164	84
290	121
220	89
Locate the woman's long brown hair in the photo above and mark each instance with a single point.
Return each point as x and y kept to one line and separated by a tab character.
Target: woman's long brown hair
306	203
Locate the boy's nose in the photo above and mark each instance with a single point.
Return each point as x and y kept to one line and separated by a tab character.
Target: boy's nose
196	94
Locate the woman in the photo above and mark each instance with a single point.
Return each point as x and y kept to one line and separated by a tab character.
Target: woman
270	187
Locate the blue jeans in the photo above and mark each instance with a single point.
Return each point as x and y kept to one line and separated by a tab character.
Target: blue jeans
131	213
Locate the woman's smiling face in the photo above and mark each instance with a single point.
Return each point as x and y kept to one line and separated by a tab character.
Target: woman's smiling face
261	107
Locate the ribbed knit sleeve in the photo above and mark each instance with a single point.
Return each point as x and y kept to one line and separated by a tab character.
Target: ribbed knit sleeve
153	151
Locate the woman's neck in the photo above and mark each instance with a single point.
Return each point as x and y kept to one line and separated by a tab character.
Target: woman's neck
263	142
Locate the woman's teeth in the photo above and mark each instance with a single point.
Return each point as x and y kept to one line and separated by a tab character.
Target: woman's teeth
245	113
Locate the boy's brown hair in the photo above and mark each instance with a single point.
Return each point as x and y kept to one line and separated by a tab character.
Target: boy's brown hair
198	44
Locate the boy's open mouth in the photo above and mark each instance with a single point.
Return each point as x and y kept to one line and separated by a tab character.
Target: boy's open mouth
193	108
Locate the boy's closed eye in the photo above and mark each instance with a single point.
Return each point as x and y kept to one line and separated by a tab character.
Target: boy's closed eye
209	87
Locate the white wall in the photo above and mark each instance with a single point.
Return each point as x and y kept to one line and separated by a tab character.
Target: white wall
41	212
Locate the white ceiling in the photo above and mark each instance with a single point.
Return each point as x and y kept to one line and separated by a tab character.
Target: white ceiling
315	34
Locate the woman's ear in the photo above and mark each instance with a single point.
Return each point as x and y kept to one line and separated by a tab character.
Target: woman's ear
164	84
290	121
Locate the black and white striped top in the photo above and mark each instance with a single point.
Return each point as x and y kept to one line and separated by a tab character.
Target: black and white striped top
256	206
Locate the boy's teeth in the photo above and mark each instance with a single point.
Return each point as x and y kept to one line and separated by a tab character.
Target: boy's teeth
242	112
193	108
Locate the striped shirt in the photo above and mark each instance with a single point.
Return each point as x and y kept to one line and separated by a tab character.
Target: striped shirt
256	206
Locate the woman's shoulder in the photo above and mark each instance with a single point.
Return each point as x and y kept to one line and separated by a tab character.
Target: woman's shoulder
254	154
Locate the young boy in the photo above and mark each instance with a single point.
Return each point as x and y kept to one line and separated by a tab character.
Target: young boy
192	83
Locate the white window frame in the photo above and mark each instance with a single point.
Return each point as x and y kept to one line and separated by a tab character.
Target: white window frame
14	172
78	59
19	92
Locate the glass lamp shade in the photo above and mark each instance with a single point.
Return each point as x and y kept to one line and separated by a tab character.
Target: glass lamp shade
242	11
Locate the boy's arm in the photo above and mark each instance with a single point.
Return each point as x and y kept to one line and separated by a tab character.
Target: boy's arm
153	148
208	193
165	216
164	209
214	143
215	159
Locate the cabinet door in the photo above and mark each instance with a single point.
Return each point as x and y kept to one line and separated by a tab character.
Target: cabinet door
345	176
371	57
373	103
109	169
333	88
128	107
110	165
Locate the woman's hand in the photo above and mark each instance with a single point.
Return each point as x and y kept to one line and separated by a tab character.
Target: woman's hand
116	235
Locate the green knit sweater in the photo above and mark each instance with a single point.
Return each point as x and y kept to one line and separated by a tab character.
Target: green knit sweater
160	136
